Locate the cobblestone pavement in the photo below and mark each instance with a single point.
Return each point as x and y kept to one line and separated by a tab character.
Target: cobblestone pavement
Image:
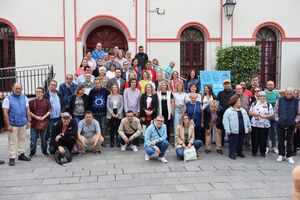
126	175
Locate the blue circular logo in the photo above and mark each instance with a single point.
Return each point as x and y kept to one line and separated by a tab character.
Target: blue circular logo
216	77
225	76
205	77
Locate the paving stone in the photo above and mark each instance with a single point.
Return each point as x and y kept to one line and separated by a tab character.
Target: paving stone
70	180
122	177
222	194
221	186
88	179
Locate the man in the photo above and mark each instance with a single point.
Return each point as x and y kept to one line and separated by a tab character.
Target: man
57	105
125	71
245	90
40	109
17	119
244	98
65	131
129	132
117	80
98	52
155	140
89	133
98	97
287	115
132	98
213	123
81	78
142	57
255	84
272	96
67	88
223	98
1	126
106	58
112	59
88	84
170	68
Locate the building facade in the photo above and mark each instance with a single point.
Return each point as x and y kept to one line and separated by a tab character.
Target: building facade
189	32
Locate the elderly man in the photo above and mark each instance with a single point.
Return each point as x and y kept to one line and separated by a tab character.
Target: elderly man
129	132
272	96
67	88
156	139
89	133
213	118
17	118
287	115
98	52
170	68
65	131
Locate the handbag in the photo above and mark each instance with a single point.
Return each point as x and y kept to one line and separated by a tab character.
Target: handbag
190	154
40	126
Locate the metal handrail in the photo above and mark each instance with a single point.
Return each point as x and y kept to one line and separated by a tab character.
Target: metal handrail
161	69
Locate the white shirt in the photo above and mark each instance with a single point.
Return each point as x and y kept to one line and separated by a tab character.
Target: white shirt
92	64
81	79
5	103
207	101
264	109
110	74
179	99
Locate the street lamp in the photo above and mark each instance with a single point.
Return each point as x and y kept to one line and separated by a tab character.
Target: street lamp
229	8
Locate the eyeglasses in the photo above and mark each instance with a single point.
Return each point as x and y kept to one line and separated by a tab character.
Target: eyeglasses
159	120
262	95
65	118
256	90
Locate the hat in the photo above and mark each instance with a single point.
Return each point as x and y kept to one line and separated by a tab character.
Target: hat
65	114
226	81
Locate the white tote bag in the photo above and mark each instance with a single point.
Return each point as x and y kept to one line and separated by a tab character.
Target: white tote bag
190	154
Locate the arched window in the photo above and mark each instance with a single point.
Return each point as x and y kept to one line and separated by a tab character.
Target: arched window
7	46
191	50
268	38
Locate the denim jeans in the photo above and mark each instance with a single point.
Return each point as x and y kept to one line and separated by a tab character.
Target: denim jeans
50	131
162	145
177	117
34	135
272	135
180	150
235	143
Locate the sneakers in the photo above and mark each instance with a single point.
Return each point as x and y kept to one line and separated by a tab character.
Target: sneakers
162	159
290	160
275	150
11	162
45	153
23	157
147	157
134	148
123	147
267	150
280	159
2	162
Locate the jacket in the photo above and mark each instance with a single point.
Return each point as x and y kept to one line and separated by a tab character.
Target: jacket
86	101
61	99
143	105
223	97
207	117
110	107
114	81
180	138
231	121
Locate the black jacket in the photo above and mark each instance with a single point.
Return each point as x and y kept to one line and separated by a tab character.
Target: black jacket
223	97
143	105
207	117
86	101
61	99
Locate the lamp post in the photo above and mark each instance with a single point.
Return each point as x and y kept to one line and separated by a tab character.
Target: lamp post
229	8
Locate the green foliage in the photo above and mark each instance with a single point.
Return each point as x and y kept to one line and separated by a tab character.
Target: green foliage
242	61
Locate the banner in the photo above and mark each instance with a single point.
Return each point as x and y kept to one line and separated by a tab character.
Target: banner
214	78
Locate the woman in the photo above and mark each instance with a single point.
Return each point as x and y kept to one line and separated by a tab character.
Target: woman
91	62
208	96
255	96
114	113
80	69
236	124
190	79
193	89
136	68
146	80
165	105
175	79
159	79
261	113
179	97
131	75
120	57
79	103
148	105
128	56
185	137
111	71
152	72
194	111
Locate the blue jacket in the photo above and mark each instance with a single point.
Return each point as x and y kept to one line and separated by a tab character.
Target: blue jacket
67	92
190	82
17	110
231	121
98	54
151	134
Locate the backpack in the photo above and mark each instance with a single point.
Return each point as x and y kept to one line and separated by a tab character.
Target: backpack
63	158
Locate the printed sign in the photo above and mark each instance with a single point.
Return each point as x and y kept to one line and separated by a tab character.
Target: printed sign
214	78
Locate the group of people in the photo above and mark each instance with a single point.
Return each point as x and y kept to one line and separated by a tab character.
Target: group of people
139	101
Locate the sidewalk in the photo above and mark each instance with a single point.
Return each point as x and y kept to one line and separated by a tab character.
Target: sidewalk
126	175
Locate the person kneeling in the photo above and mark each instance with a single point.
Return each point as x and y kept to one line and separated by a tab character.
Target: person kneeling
185	137
129	132
89	133
65	138
155	140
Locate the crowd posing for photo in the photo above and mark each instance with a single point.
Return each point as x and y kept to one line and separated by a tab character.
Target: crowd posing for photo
133	102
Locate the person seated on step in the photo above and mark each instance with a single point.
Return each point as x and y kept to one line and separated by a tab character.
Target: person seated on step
130	130
89	134
156	139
